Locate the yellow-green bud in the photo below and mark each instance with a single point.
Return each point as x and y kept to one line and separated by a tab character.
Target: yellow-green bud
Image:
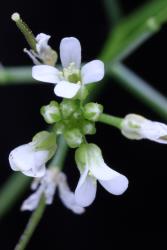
68	107
59	128
92	111
88	127
51	113
73	137
45	140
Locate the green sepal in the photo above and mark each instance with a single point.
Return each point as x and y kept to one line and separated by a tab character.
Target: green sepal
73	137
92	111
51	112
68	107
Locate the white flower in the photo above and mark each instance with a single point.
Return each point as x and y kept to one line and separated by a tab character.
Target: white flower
71	78
44	53
47	186
92	166
28	160
136	127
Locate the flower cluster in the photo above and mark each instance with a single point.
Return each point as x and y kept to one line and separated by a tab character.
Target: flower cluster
71	119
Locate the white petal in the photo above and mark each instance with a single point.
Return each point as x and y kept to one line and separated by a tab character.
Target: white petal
70	52
92	72
32	201
117	185
86	193
68	198
37	172
22	158
46	73
66	89
42	42
100	170
154	131
50	192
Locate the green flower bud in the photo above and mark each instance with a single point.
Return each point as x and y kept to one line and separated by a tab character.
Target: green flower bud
92	111
88	127
45	140
68	107
81	157
51	113
73	137
59	128
85	153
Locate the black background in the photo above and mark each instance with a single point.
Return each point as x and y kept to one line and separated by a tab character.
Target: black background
142	208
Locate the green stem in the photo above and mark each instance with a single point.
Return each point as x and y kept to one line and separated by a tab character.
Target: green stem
34	220
61	152
113	11
111	120
139	88
14	188
31	226
15	75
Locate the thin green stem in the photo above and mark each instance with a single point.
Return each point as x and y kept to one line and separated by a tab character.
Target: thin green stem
31	226
58	161
14	188
111	120
61	152
113	11
15	75
134	30
140	89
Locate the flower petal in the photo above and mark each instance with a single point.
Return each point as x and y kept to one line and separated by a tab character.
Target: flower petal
117	185
42	42
67	197
154	131
32	201
66	89
70	52
46	73
92	72
37	172
21	158
86	193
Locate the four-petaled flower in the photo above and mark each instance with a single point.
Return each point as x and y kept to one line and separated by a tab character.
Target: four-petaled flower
92	166
70	80
47	186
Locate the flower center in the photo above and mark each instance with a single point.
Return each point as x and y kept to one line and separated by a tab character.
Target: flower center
72	74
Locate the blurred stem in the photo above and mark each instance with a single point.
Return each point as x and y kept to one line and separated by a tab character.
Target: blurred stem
14	188
140	89
31	226
134	29
15	75
58	161
113	11
111	120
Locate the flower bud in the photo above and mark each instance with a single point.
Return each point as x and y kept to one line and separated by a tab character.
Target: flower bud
68	107
136	127
92	111
73	137
51	113
59	128
88	127
45	140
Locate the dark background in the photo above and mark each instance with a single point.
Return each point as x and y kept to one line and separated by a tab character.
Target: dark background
142	208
